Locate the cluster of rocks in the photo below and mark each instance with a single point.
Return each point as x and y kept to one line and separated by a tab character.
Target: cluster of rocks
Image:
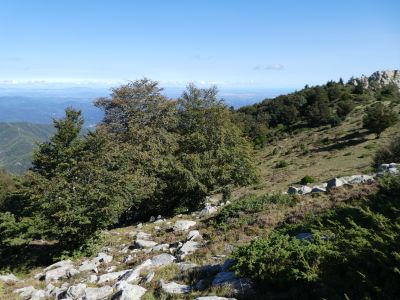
378	79
383	169
98	280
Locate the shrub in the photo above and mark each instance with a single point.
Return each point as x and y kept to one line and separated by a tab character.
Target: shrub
389	153
245	208
307	179
352	252
281	164
378	117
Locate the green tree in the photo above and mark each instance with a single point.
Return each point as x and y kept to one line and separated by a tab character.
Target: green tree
72	195
211	149
378	117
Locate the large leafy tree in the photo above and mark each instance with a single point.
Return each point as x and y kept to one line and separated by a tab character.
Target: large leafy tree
142	122
212	151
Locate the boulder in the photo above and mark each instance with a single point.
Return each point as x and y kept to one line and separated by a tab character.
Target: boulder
162	260
100	293
292	190
111	276
140	244
188	248
354	179
143	236
175	288
134	274
25	292
208	210
183	225
160	247
38	295
185	266
8	278
193	235
74	292
126	291
318	189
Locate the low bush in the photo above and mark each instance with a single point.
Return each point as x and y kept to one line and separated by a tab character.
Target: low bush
350	252
307	179
389	153
243	210
281	164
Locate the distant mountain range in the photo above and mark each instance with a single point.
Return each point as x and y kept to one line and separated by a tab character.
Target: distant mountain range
17	141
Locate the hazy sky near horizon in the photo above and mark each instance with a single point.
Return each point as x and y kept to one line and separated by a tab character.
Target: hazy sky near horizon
235	43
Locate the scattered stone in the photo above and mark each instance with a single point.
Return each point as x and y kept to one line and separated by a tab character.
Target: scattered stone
111	269
162	260
25	292
140	244
88	266
185	266
127	259
208	210
183	225
9	278
74	291
38	295
149	277
152	219
143	236
355	179
140	225
111	276
188	248
92	278
175	288
126	291
134	274
101	293
318	189
161	247
193	235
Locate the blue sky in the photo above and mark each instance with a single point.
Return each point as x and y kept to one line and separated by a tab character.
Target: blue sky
235	43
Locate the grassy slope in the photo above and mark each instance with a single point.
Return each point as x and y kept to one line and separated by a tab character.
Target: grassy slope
323	153
17	140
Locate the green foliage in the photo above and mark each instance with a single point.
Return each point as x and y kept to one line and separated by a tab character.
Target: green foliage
378	117
351	251
243	210
307	179
388	153
281	164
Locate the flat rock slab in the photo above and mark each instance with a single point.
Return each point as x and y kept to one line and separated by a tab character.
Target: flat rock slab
175	288
127	291
162	260
183	225
140	244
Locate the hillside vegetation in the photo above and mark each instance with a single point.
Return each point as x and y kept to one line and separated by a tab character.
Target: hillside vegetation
17	142
200	165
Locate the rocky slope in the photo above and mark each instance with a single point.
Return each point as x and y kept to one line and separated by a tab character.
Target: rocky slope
157	259
378	79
